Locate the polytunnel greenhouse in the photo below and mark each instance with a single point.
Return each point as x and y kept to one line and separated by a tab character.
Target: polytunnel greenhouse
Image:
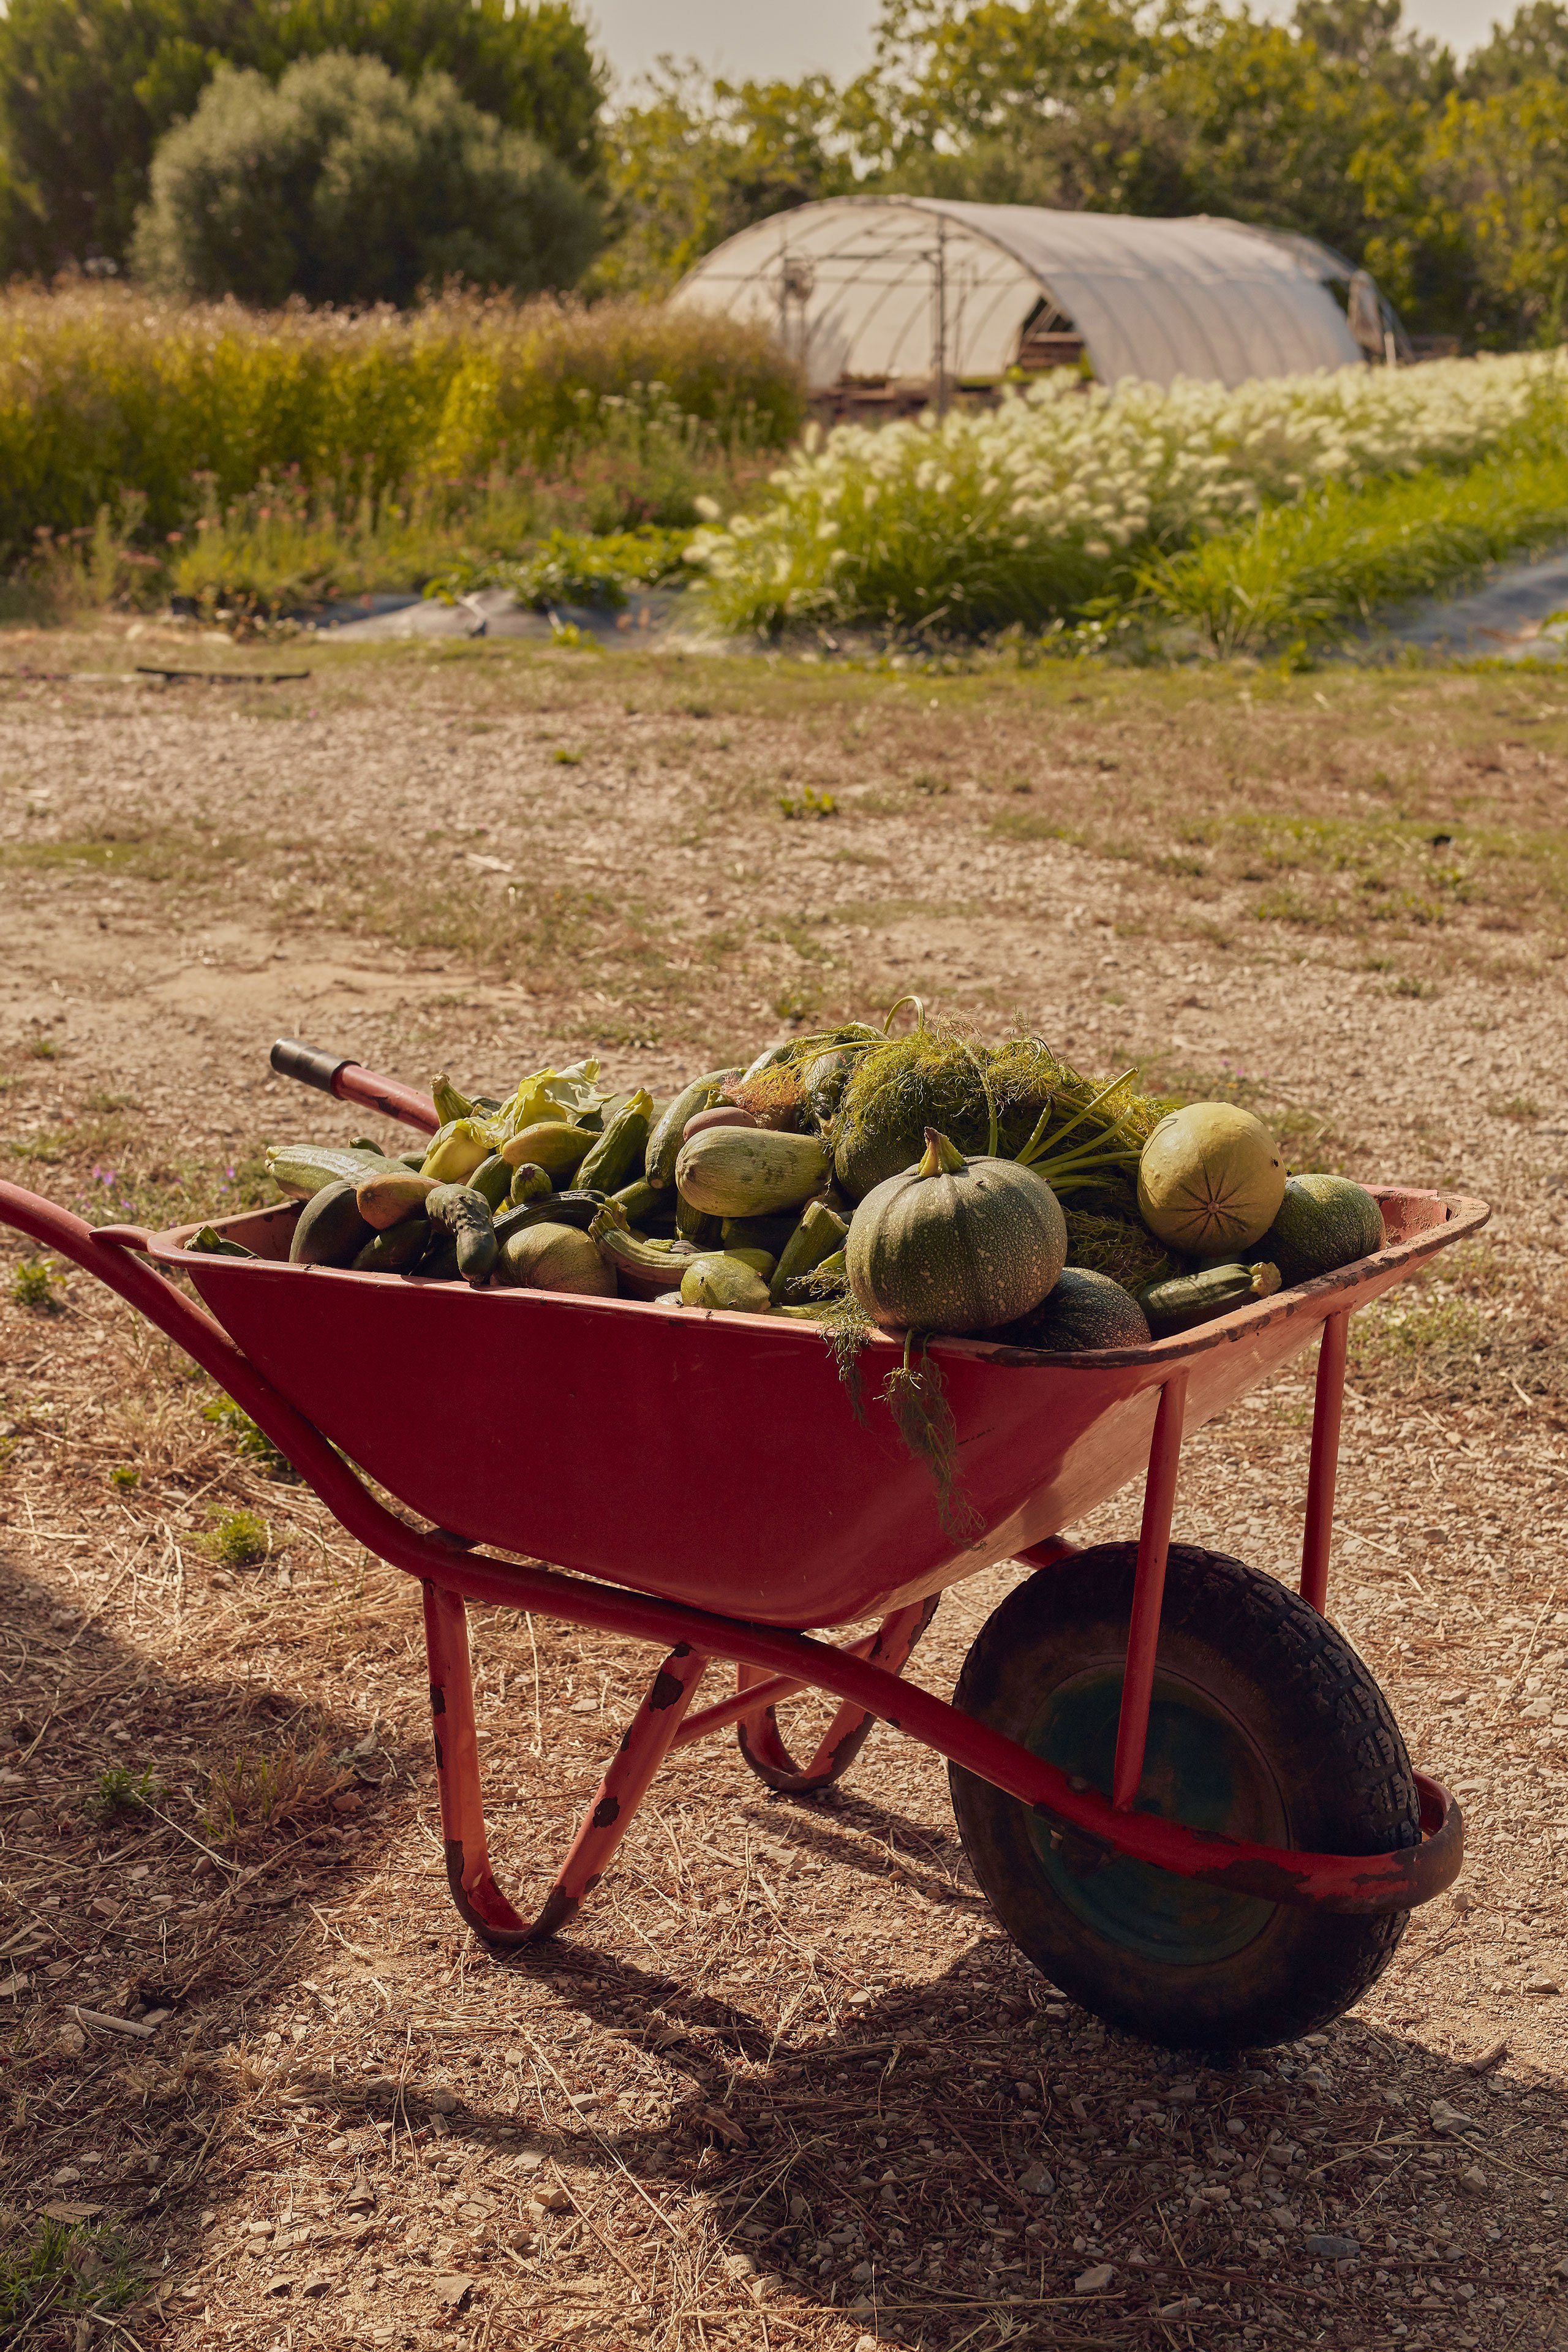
877	295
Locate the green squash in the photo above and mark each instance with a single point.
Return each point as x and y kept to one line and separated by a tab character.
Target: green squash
749	1171
1210	1180
955	1244
1323	1221
1085	1310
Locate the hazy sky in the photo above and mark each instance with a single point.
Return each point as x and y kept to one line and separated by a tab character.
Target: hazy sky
741	37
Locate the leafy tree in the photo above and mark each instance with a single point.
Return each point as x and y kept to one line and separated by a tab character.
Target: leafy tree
88	87
694	160
342	185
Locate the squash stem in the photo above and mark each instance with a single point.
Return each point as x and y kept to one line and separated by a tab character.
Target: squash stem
897	1007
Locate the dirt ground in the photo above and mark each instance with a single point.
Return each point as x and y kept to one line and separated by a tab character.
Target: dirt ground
785	2083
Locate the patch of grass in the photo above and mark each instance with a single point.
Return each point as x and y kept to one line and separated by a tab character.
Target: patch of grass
1519	1107
238	1540
121	1795
1028	825
259	1792
42	1048
38	1286
124	1478
56	2269
1318	567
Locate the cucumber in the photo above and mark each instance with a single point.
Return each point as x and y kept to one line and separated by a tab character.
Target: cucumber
639	1199
394	1248
1192	1299
620	1150
458	1211
301	1168
819	1235
330	1230
665	1137
492	1179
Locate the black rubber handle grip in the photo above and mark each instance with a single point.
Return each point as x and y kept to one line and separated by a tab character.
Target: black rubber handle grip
308	1063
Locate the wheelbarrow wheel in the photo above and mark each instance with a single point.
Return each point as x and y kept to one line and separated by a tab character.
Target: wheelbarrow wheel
1264	1724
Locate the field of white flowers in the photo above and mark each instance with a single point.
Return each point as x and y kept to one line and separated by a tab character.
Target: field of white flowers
1068	495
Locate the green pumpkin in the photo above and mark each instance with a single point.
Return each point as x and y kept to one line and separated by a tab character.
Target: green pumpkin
1084	1310
955	1244
1323	1221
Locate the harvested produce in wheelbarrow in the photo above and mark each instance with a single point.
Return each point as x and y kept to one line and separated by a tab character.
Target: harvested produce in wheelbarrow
923	1184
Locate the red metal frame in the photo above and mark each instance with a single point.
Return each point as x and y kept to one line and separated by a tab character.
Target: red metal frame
865	1676
1148	1592
1328	1406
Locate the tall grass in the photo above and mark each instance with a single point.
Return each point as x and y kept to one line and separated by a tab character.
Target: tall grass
1313	568
107	396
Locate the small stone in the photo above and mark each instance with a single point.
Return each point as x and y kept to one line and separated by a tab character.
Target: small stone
30	1818
1096	2280
319	2283
63	2177
1037	2182
1186	2306
71	2040
349	1802
1475	2180
742	2266
1542	1984
442	2102
1332	2248
862	2273
281	2283
1182	2095
453	2290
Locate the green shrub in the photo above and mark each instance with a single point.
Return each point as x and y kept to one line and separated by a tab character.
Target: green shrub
342	185
196	406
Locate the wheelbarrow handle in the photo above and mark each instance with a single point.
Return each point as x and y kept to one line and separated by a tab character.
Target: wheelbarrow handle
350	1081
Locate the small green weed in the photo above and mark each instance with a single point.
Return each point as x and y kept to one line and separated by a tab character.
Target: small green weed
232	1422
257	1792
58	2268
239	1539
809	803
1518	1107
121	1795
566	759
43	1048
124	1478
37	1287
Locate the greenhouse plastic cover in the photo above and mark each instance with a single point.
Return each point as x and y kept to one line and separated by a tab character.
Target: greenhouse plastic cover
850	287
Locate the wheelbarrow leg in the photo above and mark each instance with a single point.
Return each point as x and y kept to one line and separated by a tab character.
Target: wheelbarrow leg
643	1749
1148	1592
1328	1405
757	1729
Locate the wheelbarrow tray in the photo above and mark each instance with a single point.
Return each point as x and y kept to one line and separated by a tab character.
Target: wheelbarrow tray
717	1459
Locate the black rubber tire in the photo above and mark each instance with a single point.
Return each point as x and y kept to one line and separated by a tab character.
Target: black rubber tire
1259	1690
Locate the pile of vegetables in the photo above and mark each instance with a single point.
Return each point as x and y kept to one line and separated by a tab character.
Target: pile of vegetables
921	1183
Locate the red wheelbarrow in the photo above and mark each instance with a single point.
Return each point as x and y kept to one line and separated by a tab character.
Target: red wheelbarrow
1182	1792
